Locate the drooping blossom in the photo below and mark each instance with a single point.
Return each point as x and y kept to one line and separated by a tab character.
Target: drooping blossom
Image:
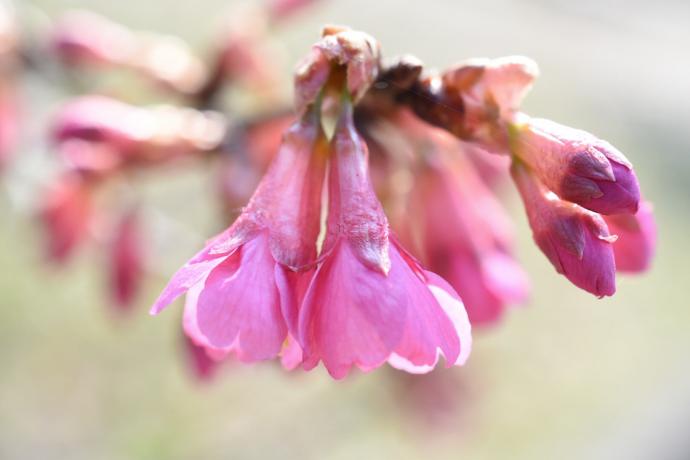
577	166
65	213
126	259
248	296
634	249
463	233
576	241
369	301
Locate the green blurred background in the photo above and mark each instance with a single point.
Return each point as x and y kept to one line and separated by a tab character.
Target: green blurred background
566	376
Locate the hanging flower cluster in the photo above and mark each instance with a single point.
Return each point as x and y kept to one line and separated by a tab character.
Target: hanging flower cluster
312	270
365	225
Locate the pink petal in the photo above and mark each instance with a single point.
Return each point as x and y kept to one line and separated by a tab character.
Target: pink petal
351	315
190	274
239	306
637	233
428	328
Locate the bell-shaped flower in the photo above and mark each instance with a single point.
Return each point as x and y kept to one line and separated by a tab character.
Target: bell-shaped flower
577	166
369	301
575	240
247	296
464	235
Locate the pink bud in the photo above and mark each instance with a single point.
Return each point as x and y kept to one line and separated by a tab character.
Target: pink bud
133	134
575	240
85	38
100	119
354	52
126	260
577	166
65	213
634	249
282	9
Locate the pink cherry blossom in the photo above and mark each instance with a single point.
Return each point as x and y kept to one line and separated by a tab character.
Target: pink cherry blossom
459	230
369	301
465	238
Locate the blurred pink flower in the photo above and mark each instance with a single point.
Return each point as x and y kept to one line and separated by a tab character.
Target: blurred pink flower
9	120
575	240
85	38
65	213
126	259
577	166
634	249
121	133
282	9
369	301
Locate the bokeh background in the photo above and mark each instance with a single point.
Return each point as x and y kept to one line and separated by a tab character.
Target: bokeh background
566	376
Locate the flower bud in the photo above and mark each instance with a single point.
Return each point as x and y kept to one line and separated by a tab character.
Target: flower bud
126	260
577	166
575	240
65	213
355	52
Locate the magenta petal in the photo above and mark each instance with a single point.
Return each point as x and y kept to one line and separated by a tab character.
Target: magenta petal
239	306
351	315
428	329
190	274
621	195
634	249
292	287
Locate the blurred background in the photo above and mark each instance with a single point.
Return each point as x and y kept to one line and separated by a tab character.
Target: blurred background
565	376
